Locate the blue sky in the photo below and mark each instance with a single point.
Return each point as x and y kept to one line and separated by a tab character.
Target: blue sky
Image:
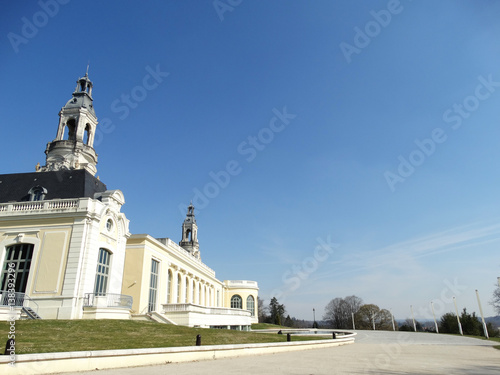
369	128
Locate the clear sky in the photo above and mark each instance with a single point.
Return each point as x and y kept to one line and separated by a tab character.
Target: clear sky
330	147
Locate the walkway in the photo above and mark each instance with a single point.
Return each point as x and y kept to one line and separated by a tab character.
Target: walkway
375	352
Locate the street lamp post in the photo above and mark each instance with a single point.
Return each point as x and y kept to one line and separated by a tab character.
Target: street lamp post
482	316
314	318
458	317
434	315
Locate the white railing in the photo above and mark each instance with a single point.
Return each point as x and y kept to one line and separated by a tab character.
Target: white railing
39	205
189	307
16	299
108	300
242	283
28	206
66	203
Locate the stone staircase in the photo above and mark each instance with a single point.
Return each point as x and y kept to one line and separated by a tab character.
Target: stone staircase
29	313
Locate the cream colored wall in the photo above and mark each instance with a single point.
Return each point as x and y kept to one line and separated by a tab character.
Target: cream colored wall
133	272
179	263
243	293
50	238
66	243
51	262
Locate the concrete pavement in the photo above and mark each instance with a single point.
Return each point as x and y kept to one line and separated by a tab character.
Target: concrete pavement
375	352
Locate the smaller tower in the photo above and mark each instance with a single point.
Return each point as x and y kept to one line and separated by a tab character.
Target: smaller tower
77	119
189	240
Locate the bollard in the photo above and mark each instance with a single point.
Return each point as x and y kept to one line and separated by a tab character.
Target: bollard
11	344
198	340
288	337
333	335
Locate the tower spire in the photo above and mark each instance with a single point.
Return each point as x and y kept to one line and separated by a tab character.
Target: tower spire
73	146
189	240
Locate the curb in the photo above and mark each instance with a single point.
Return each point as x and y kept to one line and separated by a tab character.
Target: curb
50	363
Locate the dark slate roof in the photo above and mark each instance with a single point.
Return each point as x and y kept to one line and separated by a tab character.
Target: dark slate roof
60	185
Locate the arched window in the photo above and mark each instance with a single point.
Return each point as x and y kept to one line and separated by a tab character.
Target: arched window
169	287
86	135
179	288
102	272
71	124
20	255
236	302
251	305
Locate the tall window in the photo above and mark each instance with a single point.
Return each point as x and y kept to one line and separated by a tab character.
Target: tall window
169	287
179	288
236	302
186	290
102	272
153	285
20	255
193	288
251	305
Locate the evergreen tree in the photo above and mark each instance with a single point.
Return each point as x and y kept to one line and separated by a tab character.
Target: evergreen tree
276	311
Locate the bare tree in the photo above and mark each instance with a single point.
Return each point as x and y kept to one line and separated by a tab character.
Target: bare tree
262	309
496	300
354	303
339	311
384	320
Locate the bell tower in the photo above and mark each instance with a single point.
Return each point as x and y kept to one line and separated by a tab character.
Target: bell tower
73	146
189	240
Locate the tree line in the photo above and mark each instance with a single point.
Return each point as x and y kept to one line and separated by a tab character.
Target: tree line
351	313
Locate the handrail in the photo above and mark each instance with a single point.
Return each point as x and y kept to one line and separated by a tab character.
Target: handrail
29	299
19	299
190	307
6	300
112	300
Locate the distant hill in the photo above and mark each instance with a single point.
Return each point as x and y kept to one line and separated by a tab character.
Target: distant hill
495	320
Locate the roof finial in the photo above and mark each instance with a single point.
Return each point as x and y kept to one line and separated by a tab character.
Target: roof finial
87	72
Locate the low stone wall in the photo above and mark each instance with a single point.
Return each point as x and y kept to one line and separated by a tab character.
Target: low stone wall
49	363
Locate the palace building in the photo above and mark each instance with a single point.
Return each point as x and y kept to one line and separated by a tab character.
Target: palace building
66	246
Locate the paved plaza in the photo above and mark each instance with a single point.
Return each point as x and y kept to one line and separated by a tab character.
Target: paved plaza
375	352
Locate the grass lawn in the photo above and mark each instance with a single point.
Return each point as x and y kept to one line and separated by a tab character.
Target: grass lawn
44	336
497	339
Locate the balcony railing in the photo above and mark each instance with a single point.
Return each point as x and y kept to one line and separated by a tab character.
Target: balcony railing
39	205
121	301
241	283
189	307
17	300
